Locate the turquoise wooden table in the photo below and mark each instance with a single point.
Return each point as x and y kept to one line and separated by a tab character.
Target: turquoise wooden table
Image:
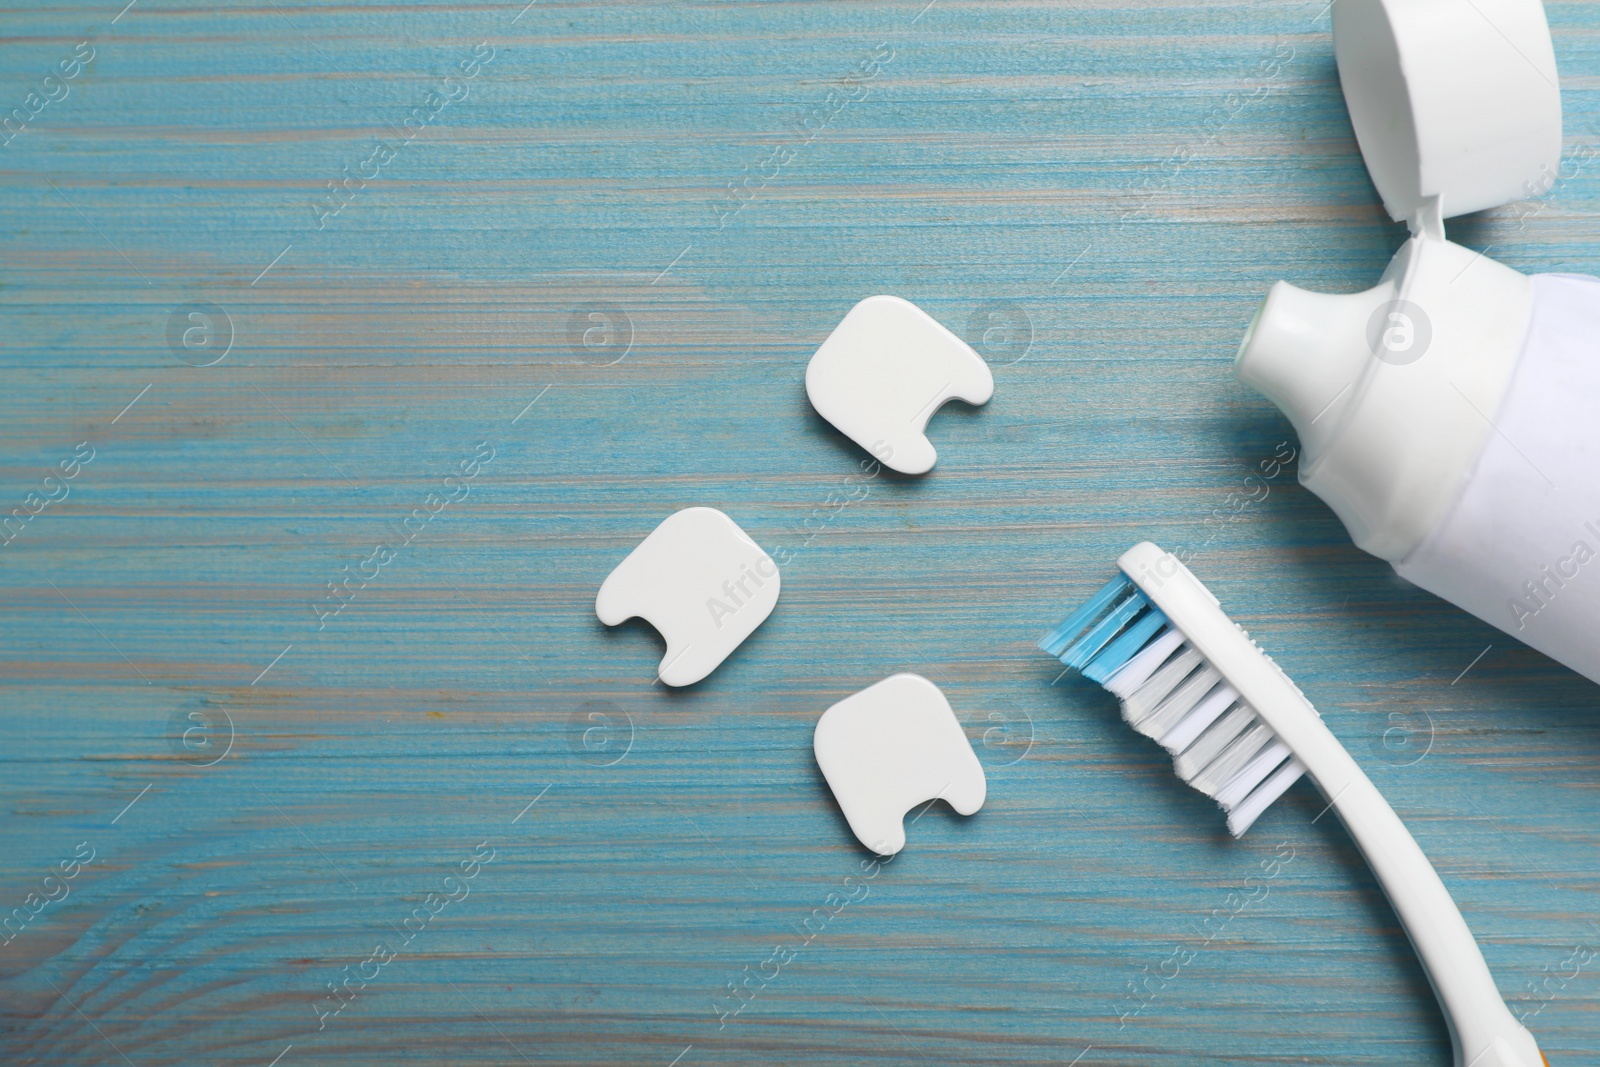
498	287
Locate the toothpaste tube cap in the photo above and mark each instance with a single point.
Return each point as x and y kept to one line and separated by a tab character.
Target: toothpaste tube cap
1453	101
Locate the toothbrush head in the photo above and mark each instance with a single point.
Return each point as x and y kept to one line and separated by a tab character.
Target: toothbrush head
1241	732
1150	657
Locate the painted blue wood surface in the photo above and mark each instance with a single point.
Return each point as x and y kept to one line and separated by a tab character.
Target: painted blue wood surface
1107	189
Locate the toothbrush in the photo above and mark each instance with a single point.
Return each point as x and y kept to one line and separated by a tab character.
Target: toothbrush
1242	733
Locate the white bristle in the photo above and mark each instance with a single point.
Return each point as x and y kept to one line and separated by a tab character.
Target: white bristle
1232	759
1238	787
1217	737
1170	691
1182	735
1244	816
1180	703
1219	745
1143	700
1138	670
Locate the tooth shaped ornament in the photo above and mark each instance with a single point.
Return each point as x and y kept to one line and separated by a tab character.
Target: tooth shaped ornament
702	582
883	372
891	747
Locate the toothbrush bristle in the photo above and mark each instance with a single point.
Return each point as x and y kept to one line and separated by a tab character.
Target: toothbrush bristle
1170	693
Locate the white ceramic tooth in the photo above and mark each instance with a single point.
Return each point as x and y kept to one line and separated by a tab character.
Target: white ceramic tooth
701	581
890	747
883	372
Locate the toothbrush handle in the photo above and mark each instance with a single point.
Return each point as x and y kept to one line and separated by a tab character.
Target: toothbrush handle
1481	1026
1484	1031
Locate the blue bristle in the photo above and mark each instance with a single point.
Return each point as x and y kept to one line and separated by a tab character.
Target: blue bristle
1103	631
1058	639
1124	648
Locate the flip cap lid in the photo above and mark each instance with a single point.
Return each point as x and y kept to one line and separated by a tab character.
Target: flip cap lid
1454	99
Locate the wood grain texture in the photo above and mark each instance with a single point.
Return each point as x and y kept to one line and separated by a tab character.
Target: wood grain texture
1008	157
